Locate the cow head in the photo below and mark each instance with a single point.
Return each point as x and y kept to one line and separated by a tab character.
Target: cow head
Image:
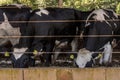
84	56
96	29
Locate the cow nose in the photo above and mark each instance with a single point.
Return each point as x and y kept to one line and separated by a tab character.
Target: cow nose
82	64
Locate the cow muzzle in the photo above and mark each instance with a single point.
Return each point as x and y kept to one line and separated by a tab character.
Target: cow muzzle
84	56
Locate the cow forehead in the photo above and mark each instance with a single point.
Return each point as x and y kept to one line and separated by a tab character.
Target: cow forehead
101	13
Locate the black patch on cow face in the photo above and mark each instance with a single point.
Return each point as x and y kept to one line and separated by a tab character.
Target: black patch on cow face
89	64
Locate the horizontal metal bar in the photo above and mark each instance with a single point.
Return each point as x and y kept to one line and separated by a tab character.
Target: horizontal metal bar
59	36
59	21
57	52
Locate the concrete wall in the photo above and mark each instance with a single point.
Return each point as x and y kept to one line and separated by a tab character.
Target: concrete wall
60	74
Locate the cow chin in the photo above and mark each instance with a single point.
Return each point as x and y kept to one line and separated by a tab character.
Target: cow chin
84	56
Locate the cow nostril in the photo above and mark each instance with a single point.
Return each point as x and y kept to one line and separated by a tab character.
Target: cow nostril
83	64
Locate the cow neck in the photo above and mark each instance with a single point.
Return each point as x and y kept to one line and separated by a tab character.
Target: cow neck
10	30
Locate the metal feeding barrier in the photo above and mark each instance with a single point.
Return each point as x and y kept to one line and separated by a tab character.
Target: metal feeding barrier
67	60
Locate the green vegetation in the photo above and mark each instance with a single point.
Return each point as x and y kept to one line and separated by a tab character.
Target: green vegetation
78	4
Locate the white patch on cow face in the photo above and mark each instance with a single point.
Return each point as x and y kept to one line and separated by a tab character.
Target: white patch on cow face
42	11
83	57
114	23
100	16
74	44
57	42
114	43
7	27
4	39
18	52
87	24
14	32
61	44
107	53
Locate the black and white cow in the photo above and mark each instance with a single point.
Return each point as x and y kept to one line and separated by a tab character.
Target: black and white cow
10	25
51	24
99	27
